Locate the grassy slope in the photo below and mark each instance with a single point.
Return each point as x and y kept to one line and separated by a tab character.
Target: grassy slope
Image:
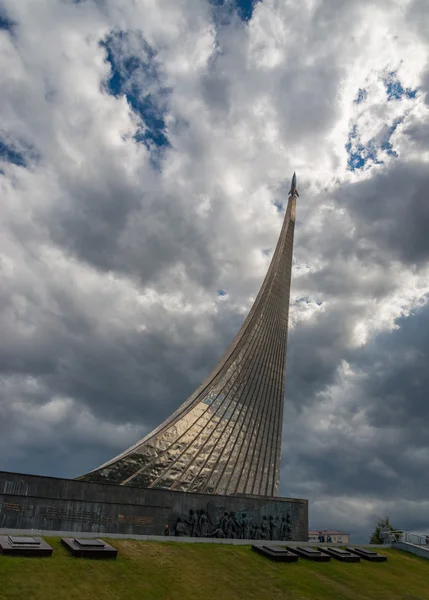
149	570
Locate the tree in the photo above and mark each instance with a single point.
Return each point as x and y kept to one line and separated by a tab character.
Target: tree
383	525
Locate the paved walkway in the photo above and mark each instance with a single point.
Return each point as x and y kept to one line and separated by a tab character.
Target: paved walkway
416	549
161	538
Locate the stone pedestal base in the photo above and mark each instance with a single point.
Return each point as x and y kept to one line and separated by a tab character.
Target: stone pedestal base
50	504
24	546
276	553
89	548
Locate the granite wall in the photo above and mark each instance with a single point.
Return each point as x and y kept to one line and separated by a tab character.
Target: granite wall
48	503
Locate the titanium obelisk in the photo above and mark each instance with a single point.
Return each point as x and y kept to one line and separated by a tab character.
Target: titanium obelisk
226	437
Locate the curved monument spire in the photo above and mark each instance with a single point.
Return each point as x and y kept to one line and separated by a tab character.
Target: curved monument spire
226	437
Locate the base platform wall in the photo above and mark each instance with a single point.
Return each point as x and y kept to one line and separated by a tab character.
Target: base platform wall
47	503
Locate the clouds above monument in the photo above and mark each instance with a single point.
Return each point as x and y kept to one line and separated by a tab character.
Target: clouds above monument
144	153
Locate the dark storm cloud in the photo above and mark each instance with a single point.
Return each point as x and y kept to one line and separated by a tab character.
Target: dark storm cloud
390	210
310	114
215	90
417	17
396	378
137	240
126	380
391	398
117	370
310	371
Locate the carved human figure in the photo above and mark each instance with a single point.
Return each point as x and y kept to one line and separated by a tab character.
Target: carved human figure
289	526
277	527
274	528
218	533
252	530
283	529
245	527
264	529
223	521
181	528
258	532
203	524
237	525
230	532
193	522
198	521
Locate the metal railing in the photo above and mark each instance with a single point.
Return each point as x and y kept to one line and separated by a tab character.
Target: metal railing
418	539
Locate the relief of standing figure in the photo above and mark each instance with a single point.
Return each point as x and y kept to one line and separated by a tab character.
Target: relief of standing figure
283	529
253	531
274	528
230	526
203	524
264	528
181	528
223	521
193	522
245	529
289	527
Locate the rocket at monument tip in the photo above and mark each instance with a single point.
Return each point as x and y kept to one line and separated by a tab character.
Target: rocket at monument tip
293	191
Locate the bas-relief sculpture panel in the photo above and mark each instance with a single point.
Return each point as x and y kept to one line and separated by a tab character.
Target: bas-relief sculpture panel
68	505
242	525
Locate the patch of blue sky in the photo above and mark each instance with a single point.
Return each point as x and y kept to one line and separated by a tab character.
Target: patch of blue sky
225	9
308	300
362	95
361	155
6	24
387	146
17	154
395	89
279	206
245	8
153	134
222	293
137	77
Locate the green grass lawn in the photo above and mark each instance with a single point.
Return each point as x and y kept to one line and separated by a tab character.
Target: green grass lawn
173	571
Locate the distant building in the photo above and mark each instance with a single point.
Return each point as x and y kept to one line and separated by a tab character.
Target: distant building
338	537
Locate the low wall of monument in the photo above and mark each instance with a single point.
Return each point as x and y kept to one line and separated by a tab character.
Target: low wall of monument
51	504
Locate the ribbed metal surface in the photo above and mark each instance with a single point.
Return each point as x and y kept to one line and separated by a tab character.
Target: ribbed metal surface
226	437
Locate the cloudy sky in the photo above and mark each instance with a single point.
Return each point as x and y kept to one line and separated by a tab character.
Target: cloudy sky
146	149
